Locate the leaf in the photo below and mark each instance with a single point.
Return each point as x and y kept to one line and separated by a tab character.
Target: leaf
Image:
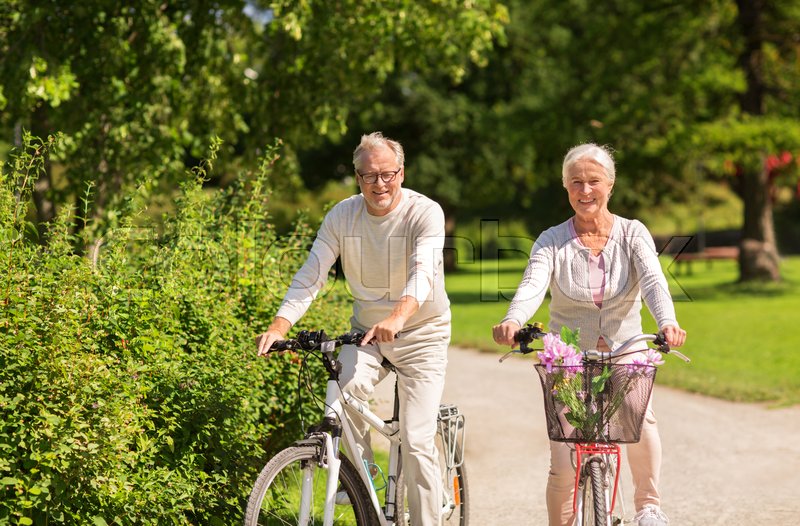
570	337
8	481
599	381
100	521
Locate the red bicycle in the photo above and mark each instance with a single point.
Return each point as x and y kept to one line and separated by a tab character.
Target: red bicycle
595	402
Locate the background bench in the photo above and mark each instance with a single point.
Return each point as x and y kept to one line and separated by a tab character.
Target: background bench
709	254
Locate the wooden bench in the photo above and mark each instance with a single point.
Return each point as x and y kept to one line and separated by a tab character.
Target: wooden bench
709	254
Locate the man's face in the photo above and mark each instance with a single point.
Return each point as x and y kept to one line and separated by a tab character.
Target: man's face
381	197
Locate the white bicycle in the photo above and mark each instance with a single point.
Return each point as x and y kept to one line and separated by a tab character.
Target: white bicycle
299	485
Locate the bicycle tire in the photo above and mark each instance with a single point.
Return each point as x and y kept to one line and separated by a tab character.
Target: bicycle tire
275	498
594	497
458	514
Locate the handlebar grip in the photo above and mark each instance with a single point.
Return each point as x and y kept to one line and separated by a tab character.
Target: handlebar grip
281	345
529	333
661	341
353	337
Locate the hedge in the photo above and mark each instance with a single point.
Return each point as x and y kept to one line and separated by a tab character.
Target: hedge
129	388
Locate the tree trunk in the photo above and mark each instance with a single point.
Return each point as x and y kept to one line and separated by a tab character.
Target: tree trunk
758	256
450	249
758	253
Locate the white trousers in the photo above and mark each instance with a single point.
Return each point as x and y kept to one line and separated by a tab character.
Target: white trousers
420	359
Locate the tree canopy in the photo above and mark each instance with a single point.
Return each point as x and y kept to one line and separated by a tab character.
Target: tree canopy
487	96
684	92
140	86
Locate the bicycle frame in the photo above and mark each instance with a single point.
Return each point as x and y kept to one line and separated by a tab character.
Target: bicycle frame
336	403
335	435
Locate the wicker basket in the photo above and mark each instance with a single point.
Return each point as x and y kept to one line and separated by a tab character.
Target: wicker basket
596	402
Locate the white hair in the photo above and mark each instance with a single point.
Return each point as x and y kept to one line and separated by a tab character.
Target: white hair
590	152
375	140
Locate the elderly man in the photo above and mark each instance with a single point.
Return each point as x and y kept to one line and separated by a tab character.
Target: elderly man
390	242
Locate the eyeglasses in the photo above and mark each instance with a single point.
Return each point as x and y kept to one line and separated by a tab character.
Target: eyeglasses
372	177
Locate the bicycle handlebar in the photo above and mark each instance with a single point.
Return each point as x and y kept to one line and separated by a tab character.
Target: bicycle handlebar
531	332
312	340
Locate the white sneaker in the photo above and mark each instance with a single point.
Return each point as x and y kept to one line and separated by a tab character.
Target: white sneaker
651	515
343	499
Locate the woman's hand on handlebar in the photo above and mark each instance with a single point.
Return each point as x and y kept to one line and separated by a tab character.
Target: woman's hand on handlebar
674	335
503	333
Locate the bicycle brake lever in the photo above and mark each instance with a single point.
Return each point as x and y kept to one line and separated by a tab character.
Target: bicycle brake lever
526	350
680	355
509	353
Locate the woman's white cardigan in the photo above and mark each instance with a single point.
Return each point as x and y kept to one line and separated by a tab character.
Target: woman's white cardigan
559	261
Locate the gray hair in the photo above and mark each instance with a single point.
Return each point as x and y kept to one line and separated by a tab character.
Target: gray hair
590	152
375	140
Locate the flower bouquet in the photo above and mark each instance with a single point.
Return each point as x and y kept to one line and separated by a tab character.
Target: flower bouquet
593	401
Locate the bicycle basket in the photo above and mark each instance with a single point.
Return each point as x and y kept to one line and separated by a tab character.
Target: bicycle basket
596	402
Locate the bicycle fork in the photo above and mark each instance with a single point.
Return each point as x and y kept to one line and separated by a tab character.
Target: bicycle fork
609	455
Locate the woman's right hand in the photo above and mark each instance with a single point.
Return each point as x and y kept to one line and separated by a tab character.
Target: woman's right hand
503	333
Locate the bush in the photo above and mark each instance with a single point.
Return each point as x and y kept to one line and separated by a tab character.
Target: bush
129	388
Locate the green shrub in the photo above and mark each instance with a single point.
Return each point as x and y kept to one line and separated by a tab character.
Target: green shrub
129	388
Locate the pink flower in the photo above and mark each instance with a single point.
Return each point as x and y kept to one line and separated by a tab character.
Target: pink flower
654	357
648	358
558	353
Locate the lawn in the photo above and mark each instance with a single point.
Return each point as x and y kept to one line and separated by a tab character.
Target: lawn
741	338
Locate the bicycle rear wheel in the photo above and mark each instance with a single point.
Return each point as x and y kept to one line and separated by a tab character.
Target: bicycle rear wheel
455	500
276	496
594	507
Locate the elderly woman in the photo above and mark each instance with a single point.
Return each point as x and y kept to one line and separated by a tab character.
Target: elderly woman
598	266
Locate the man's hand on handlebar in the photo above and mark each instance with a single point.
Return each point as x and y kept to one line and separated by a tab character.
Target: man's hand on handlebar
265	340
276	332
383	331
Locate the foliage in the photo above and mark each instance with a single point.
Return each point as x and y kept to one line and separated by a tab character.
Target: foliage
129	389
140	87
662	83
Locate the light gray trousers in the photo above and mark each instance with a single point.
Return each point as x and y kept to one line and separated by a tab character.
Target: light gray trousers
420	359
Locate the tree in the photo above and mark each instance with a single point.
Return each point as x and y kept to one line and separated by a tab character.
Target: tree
141	86
683	91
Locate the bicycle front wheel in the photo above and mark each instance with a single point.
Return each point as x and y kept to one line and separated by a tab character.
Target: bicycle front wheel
455	496
278	492
594	506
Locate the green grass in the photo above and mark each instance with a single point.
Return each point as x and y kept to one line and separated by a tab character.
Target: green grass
743	339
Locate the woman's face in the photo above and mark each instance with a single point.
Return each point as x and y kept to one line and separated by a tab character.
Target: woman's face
589	189
380	197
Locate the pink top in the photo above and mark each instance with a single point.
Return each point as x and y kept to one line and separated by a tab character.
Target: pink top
597	272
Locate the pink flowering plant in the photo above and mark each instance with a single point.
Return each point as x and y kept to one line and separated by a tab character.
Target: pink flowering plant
576	397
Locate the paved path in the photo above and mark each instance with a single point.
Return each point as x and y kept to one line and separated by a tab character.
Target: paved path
724	463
